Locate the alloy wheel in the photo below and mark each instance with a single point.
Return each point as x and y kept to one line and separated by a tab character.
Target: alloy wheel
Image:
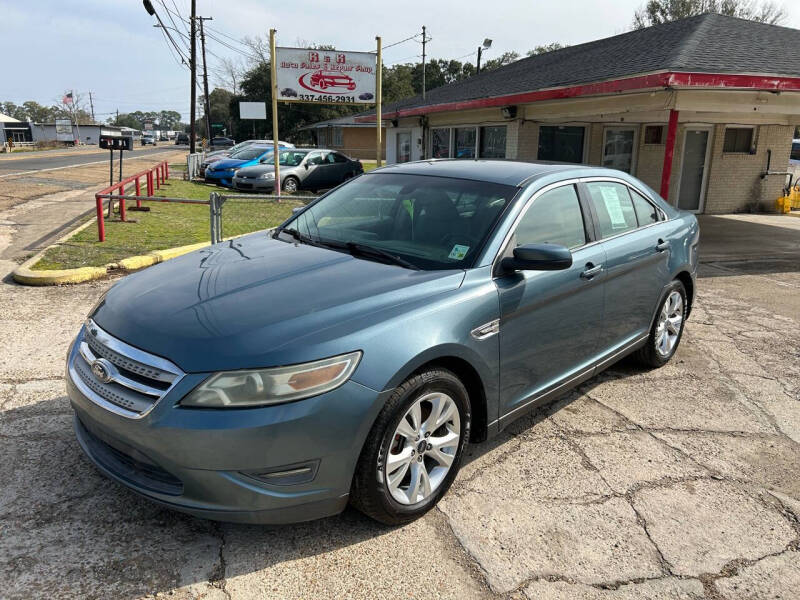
423	448
670	320
290	185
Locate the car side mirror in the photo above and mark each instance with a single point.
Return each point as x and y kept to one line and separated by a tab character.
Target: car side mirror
538	257
306	166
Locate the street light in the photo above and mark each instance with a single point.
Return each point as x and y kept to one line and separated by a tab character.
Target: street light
487	43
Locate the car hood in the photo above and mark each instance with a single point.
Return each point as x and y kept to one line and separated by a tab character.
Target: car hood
255	302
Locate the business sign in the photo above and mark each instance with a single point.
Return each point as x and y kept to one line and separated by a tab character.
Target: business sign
329	76
252	110
64	131
148	126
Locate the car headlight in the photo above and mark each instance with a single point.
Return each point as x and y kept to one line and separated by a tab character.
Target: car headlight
261	387
267	175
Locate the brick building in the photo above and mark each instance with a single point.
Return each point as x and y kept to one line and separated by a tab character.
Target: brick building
699	109
356	140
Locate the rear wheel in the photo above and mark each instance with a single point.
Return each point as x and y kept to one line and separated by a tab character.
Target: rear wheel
667	328
414	450
291	185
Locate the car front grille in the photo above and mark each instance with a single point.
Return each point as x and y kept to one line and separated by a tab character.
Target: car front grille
117	376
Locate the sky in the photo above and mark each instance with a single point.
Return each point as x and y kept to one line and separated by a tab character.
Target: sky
110	47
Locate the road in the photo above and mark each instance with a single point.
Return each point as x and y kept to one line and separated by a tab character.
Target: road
677	483
45	160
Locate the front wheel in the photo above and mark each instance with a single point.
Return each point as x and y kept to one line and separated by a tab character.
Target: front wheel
414	449
667	328
290	184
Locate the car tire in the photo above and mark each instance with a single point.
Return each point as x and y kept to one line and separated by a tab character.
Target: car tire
291	184
666	330
374	492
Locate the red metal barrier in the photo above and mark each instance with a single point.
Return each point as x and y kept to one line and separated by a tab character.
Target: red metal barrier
161	172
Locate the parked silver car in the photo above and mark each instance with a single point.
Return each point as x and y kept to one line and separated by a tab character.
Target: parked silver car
311	169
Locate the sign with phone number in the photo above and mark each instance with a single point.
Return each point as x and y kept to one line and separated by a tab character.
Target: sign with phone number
329	76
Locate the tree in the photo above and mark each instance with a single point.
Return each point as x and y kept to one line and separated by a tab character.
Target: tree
655	12
545	48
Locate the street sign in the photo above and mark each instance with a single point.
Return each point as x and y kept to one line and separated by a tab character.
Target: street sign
325	76
64	131
218	126
116	142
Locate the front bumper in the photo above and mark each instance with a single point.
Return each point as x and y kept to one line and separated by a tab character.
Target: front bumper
251	185
196	460
218	177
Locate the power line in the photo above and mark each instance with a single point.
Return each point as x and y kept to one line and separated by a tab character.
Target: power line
401	41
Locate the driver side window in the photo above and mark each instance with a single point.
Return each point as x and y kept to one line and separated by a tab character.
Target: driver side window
315	158
555	217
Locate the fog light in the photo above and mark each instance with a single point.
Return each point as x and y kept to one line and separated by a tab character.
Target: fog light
287	474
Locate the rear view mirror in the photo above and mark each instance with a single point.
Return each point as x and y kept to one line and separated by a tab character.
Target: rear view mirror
538	257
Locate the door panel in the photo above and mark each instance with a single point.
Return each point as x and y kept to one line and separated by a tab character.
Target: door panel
549	325
695	145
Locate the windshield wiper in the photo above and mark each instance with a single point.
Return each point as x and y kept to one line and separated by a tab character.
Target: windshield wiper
300	237
364	250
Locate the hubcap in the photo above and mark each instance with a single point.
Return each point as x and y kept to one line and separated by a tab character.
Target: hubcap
669	324
290	185
423	448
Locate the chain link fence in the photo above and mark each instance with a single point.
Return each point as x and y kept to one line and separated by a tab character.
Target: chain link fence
236	214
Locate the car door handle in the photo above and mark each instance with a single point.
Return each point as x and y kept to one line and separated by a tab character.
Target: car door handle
662	246
591	270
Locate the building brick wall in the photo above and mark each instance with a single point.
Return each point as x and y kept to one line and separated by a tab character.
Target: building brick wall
650	161
734	181
528	141
359	142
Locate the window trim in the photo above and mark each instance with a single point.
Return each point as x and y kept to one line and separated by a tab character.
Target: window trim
753	139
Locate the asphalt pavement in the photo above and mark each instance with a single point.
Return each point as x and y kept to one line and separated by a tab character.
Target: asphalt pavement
45	160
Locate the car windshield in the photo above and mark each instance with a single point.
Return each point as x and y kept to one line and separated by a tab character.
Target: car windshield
430	222
240	146
249	153
287	158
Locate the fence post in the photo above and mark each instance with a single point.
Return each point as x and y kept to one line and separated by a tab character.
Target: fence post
122	213
166	170
138	192
212	216
101	226
150	189
158	179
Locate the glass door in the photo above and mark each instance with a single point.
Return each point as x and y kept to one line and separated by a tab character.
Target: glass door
403	146
694	168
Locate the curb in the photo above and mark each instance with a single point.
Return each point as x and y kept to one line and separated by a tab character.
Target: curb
24	275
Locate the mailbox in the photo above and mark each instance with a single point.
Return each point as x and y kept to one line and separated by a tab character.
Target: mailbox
116	142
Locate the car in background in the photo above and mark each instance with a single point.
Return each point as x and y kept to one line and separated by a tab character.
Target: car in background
181	138
794	157
222	171
148	140
353	352
221	142
217	155
309	169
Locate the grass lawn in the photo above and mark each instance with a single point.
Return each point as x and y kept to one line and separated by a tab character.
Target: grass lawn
164	226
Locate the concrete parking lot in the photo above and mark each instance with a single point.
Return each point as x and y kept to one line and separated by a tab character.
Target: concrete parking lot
680	483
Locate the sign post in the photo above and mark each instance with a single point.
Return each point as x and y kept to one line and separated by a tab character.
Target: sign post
275	148
378	91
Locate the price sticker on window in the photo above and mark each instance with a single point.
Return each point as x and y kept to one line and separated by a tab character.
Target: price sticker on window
458	252
613	207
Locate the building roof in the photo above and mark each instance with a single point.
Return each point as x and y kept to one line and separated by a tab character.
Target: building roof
348	121
7	119
708	43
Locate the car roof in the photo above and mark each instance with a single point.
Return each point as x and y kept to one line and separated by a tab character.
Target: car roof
506	172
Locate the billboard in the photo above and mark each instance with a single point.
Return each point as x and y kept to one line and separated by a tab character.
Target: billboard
64	130
252	110
330	76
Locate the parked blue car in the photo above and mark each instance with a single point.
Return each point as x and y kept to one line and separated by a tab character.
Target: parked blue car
351	353
221	172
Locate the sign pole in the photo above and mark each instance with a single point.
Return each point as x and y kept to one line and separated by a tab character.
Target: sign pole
378	77
274	73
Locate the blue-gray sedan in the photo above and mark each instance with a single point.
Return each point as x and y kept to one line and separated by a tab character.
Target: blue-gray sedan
350	354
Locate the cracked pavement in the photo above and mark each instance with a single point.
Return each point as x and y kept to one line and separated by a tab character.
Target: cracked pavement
678	483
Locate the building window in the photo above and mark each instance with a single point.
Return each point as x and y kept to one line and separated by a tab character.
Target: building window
738	139
493	142
618	148
654	134
337	137
561	143
322	137
440	143
464	142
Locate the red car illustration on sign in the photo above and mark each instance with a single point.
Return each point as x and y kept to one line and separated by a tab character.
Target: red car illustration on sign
324	80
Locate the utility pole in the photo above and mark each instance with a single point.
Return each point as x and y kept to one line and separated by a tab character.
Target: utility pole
207	108
480	49
91	104
423	62
117	121
193	74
